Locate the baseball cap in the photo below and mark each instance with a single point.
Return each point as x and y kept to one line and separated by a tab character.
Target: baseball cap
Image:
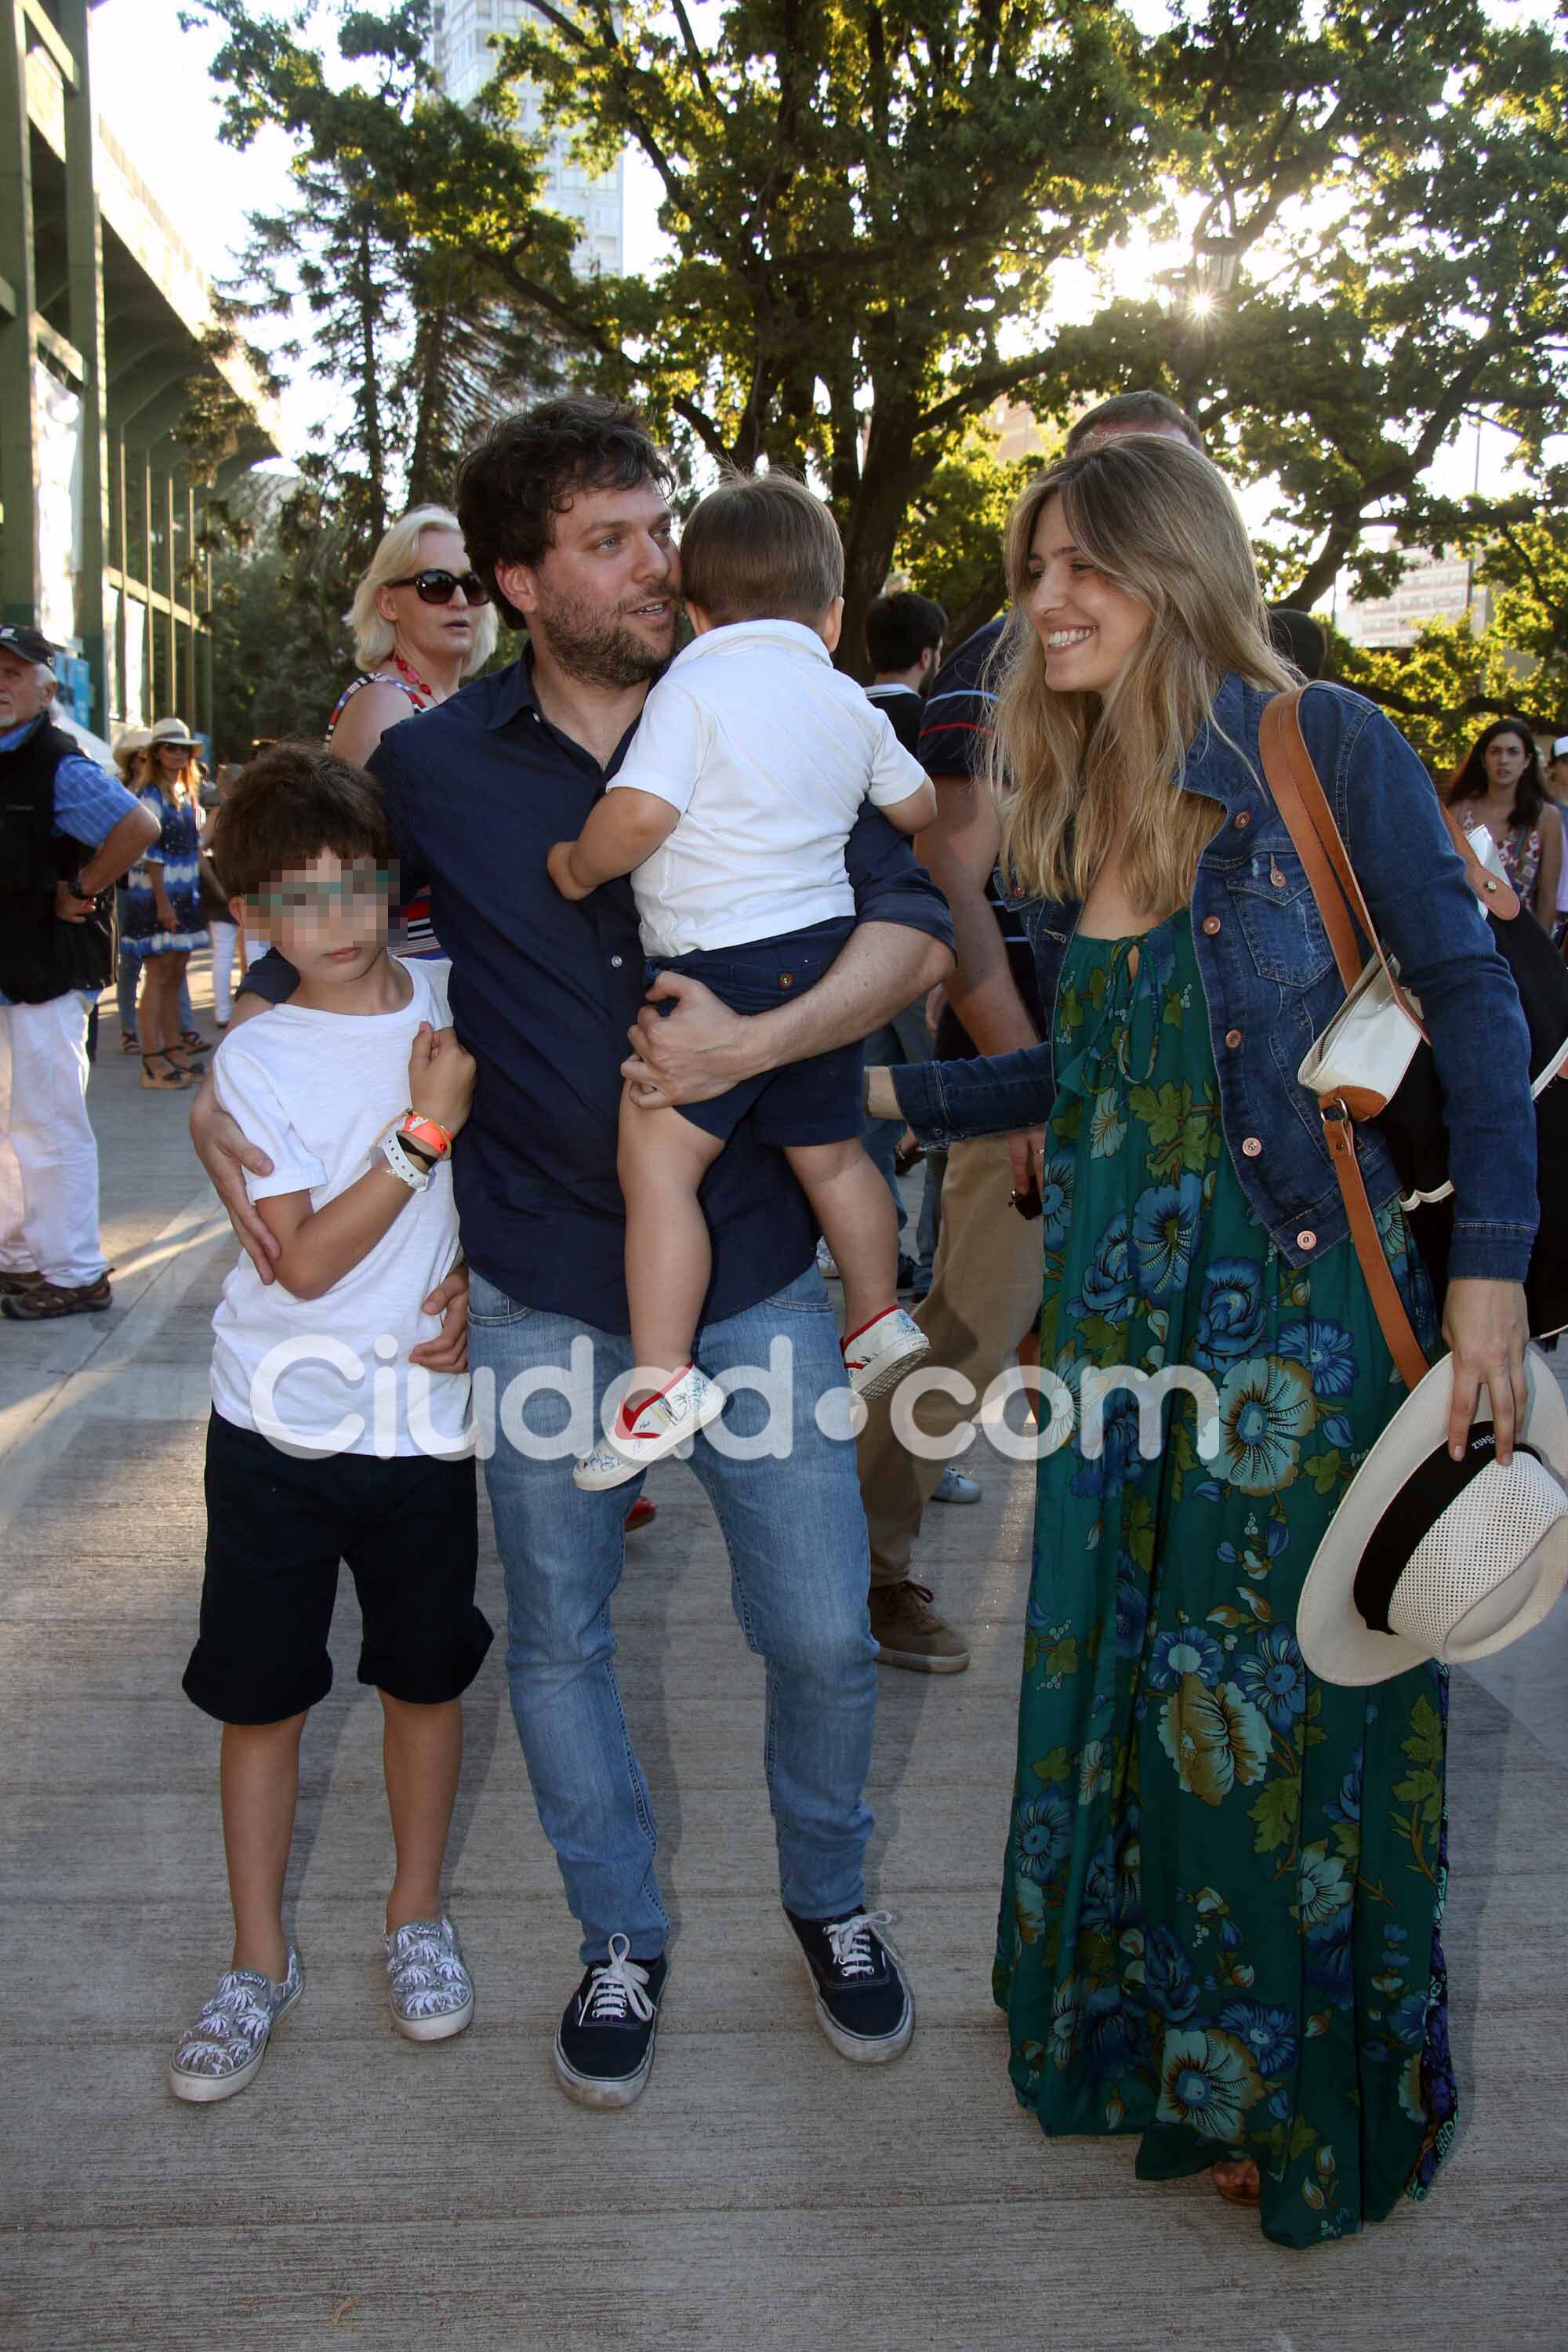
1560	749
31	644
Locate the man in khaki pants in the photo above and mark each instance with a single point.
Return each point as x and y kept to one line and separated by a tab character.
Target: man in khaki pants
984	1298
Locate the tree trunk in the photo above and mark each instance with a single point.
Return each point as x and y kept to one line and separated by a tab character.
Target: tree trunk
370	394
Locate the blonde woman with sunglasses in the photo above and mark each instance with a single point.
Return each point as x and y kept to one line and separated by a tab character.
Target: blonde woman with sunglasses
1223	1885
421	624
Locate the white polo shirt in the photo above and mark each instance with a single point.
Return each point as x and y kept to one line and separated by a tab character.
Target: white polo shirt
768	752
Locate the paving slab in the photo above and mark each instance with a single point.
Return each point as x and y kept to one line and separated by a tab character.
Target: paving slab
763	2196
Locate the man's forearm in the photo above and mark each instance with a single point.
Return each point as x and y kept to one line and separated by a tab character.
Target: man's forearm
881	968
982	990
118	852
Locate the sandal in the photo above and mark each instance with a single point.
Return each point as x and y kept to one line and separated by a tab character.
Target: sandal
1247	2190
129	1042
45	1302
194	1040
171	1080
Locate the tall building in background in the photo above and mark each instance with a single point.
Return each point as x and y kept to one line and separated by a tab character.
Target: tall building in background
463	58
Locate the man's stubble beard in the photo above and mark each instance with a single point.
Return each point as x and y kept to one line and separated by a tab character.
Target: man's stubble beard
598	650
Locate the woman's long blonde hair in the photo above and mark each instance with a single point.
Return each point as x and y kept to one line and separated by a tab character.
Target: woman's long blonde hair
1157	519
396	557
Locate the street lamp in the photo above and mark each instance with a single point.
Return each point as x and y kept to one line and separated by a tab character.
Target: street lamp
1217	264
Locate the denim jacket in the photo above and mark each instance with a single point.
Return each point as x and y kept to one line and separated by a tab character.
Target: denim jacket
1270	986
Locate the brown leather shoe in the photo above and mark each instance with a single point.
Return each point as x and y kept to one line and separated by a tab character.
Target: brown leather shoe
12	1286
43	1302
909	1633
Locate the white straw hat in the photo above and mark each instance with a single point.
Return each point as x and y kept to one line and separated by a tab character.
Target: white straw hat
1429	1558
173	732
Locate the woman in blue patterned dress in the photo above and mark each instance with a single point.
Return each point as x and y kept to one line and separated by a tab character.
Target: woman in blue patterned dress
1224	1879
162	905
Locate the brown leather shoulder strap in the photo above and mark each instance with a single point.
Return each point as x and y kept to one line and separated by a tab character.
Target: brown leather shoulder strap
1499	897
1339	1131
1277	739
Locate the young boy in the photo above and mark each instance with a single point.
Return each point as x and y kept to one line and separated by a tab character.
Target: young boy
750	765
322	1445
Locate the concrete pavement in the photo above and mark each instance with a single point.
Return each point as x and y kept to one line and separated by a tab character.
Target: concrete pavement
762	2194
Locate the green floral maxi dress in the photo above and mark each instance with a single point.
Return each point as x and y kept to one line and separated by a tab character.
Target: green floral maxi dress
1224	1880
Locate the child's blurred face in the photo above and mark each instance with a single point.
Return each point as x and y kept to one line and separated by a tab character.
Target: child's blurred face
327	916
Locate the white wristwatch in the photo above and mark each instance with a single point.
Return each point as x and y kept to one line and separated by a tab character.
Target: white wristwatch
402	1163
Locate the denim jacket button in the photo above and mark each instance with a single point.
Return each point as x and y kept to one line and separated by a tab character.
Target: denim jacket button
1308	1239
1211	924
1233	1038
1244	818
1251	1146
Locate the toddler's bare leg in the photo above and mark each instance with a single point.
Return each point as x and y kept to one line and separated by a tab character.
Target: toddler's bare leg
670	1258
855	1210
260	1780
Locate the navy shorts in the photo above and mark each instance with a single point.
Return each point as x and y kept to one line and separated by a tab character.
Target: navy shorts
276	1528
806	1102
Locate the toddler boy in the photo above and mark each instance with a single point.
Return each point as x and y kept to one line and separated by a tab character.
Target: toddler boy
731	813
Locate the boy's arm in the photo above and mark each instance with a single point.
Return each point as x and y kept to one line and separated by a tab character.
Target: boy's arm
625	827
316	1247
643	803
915	812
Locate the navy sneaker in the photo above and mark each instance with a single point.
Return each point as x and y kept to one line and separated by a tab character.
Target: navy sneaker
863	2003
603	2051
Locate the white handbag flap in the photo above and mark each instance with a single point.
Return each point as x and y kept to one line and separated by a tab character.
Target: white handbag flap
1369	1045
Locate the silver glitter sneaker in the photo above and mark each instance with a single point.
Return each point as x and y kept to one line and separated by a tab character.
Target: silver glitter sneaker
222	2050
430	1991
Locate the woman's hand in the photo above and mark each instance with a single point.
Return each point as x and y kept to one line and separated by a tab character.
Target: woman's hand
449	1351
1027	1153
226	1155
1485	1324
164	907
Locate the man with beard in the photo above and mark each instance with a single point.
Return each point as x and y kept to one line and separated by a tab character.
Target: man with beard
564	512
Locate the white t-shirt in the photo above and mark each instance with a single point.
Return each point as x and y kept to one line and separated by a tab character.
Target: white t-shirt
315	1090
767	751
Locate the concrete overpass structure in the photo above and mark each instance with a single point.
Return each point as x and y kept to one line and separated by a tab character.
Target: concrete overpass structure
108	343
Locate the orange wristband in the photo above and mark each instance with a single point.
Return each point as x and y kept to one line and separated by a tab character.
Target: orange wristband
429	1132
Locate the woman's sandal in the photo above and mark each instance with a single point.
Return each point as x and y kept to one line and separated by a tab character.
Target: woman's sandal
171	1080
193	1039
129	1042
1245	2191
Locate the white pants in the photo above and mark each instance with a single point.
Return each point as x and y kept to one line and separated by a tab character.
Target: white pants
225	938
48	1154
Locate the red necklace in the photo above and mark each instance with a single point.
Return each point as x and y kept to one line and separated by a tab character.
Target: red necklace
422	685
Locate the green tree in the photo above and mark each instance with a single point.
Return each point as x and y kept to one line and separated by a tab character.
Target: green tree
864	207
394	193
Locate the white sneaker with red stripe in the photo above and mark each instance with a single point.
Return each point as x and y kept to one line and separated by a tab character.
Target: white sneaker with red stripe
878	1355
657	1428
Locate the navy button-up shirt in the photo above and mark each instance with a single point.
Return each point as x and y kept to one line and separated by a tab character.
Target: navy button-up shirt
542	992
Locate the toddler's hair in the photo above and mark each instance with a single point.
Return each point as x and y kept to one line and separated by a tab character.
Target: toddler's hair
761	547
287	805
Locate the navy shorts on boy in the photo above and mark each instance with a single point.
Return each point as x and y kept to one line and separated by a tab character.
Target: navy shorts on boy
816	1101
277	1527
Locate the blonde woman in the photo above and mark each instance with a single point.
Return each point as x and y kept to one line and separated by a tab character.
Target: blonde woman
1219	1928
422	623
162	922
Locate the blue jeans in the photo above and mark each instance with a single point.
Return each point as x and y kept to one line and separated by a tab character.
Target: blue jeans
799	1571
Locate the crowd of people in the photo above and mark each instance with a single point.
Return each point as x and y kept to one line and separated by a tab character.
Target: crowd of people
559	1041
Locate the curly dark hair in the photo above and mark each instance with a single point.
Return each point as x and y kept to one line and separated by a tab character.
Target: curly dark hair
1471	781
529	468
287	805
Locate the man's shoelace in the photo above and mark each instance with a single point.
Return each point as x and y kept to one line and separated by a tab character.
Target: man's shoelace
618	1987
850	1941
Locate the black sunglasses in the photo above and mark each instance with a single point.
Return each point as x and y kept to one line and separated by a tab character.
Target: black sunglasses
439	587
